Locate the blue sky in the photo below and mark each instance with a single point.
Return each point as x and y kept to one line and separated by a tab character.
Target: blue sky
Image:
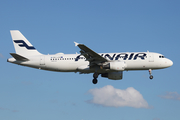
104	26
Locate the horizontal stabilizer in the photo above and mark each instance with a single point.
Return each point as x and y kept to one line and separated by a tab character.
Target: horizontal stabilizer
19	57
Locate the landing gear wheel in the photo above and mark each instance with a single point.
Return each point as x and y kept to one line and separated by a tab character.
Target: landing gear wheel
94	81
95	76
151	77
150	73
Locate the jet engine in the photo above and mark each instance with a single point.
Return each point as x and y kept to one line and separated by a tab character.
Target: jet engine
113	75
117	66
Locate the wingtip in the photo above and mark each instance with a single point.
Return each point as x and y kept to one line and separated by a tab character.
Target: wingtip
76	44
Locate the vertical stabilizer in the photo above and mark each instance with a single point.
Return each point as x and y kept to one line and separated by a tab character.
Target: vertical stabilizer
22	45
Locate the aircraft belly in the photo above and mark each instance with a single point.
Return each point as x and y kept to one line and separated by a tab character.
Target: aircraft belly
70	66
143	65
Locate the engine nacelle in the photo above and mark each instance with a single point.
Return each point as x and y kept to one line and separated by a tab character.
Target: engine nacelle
117	66
113	75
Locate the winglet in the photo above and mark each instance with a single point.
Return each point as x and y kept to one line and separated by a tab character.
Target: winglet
76	44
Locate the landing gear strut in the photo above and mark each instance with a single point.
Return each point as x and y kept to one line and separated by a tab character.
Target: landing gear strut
150	72
95	75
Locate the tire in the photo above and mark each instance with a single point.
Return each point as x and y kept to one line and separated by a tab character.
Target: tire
94	81
151	77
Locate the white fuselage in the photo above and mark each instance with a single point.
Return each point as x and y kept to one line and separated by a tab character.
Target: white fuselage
77	63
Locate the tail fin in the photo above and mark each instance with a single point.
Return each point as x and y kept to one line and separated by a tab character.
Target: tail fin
22	45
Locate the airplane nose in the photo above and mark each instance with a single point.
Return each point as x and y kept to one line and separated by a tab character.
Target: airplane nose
170	63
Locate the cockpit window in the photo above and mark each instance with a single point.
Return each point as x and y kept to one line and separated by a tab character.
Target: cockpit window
161	56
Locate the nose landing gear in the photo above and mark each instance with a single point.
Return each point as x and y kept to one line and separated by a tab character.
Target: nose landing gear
95	75
150	72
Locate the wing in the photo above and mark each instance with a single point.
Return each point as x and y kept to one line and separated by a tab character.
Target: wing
91	56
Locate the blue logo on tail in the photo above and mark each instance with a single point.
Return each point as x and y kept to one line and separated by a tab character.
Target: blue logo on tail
23	44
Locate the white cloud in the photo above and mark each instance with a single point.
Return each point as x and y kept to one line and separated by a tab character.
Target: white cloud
171	95
112	97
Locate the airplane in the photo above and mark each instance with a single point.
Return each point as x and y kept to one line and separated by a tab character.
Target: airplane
108	65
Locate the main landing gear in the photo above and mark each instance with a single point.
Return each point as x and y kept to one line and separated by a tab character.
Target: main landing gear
150	72
95	75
